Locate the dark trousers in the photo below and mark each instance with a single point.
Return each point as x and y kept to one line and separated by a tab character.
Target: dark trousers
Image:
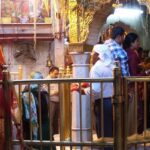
55	116
108	119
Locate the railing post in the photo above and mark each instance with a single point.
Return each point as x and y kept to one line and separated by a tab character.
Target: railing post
7	109
117	105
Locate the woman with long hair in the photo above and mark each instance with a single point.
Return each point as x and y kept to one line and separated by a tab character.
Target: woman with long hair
131	44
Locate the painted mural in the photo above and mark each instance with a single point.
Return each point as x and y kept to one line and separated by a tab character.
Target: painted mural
25	11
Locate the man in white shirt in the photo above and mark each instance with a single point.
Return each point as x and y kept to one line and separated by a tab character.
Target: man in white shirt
95	54
54	100
101	69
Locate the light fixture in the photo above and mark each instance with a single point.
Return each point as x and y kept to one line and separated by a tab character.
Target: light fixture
128	12
48	63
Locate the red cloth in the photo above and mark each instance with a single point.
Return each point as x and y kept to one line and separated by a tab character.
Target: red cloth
25	7
2	134
133	62
2	62
2	59
1	98
6	105
75	86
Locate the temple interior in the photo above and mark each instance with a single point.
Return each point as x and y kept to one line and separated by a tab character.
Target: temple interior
37	36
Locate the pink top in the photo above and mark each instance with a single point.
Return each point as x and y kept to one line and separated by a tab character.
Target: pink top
133	62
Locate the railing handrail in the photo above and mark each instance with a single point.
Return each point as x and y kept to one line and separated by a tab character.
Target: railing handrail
61	80
65	80
137	78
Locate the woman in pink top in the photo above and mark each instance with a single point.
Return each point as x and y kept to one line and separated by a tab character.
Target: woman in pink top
131	45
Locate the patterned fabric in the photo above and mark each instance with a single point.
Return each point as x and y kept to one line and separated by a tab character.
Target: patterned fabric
119	54
36	75
29	103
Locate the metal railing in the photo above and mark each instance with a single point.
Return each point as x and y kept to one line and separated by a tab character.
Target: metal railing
65	133
136	112
121	139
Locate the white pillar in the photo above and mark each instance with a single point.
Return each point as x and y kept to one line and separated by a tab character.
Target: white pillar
59	52
80	70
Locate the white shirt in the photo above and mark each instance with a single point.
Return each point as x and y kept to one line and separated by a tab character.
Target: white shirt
100	70
53	89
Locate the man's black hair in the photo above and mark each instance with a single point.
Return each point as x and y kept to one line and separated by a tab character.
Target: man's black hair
52	68
116	31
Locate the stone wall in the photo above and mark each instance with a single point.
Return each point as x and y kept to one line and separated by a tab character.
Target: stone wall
30	61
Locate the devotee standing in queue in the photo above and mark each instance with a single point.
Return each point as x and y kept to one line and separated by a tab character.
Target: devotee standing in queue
54	100
119	54
35	96
95	54
131	44
101	69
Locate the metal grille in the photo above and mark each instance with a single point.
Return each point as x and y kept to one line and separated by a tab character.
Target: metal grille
64	139
125	115
137	102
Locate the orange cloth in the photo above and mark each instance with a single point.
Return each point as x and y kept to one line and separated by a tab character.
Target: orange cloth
2	137
2	60
10	107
